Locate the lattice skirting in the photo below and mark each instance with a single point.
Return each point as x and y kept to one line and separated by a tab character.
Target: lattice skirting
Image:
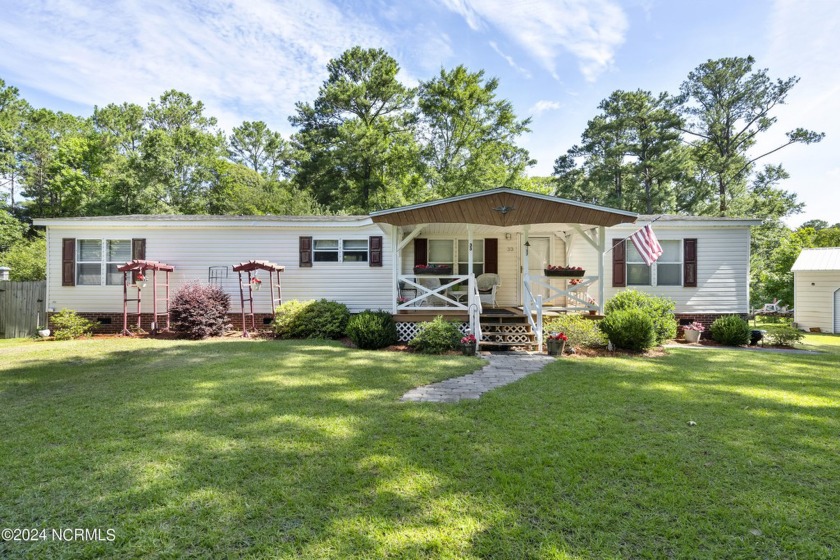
408	330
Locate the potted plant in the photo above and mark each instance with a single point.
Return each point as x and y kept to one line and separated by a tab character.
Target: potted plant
556	343
140	280
468	344
432	269
256	284
692	332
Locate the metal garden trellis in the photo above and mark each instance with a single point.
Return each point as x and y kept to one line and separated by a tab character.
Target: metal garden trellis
251	268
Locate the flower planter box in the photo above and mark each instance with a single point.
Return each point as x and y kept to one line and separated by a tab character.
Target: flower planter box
565	273
433	270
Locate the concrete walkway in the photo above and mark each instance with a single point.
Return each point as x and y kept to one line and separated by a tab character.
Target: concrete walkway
504	368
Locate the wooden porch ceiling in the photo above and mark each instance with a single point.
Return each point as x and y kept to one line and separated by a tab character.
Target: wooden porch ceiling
504	207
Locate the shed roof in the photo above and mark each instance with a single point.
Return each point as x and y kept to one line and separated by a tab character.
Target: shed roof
504	207
826	258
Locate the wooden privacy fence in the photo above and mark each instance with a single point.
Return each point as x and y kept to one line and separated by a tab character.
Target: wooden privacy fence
21	306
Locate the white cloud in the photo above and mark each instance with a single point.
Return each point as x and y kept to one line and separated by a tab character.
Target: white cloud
590	30
509	59
544	105
254	57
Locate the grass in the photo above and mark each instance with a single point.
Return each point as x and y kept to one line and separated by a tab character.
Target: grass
240	448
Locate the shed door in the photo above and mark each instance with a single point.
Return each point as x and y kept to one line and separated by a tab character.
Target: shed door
837	312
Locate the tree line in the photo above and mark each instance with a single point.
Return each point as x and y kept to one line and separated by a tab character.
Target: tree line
367	141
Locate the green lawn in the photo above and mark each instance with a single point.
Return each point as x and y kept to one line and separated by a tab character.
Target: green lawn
301	449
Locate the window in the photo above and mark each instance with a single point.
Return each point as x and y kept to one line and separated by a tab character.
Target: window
669	265
449	252
325	250
355	250
666	271
340	250
89	263
118	252
96	256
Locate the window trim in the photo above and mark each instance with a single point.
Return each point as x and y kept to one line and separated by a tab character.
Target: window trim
340	250
654	268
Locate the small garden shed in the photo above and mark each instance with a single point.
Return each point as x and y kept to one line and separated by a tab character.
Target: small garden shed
816	289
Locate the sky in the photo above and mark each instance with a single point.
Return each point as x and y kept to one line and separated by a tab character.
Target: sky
555	59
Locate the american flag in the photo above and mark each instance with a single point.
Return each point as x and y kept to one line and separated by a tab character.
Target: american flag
647	245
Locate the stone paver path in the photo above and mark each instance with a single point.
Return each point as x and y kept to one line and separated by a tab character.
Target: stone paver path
504	368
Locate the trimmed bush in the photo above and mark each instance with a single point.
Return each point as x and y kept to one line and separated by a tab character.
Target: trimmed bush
783	335
311	319
199	311
371	330
659	309
629	329
731	331
437	337
582	332
68	325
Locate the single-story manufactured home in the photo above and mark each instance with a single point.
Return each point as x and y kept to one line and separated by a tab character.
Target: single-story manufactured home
484	258
816	289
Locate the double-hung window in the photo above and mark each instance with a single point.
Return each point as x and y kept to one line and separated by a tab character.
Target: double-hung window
340	250
450	252
666	271
98	260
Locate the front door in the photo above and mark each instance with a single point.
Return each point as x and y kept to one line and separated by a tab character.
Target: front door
539	257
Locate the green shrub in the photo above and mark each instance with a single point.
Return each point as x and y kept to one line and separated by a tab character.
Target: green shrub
582	332
311	319
629	329
436	337
659	309
371	330
783	335
731	331
68	325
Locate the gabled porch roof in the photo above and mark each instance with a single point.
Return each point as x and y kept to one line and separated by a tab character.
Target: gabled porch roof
504	207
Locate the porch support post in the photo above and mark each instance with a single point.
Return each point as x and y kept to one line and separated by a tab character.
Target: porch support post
396	267
470	279
526	274
602	245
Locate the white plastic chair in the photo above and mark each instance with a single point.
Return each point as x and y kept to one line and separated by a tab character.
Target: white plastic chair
487	284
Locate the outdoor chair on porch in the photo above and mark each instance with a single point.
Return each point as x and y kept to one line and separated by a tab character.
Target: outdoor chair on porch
487	284
431	284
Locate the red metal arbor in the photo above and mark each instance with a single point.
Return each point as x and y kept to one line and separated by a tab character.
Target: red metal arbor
253	283
138	270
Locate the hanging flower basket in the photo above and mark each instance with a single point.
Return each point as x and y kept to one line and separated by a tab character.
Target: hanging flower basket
140	280
565	271
426	269
256	284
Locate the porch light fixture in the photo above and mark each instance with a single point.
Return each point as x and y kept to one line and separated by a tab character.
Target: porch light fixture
504	209
507	236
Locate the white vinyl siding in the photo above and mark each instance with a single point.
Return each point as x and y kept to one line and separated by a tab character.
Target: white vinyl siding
193	250
815	294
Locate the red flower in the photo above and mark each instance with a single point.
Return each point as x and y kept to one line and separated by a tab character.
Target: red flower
140	277
558	336
469	339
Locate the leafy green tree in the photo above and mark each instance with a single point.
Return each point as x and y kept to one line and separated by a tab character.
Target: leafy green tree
468	135
726	106
254	145
239	190
27	258
13	111
631	155
355	149
11	230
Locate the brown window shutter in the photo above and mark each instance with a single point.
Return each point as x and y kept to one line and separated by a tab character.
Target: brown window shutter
68	262
421	247
138	253
690	263
619	271
138	249
375	247
491	255
305	252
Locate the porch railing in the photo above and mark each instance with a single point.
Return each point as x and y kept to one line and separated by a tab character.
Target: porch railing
475	311
440	298
534	306
577	296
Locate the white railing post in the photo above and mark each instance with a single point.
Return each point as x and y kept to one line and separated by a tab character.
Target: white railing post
539	330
